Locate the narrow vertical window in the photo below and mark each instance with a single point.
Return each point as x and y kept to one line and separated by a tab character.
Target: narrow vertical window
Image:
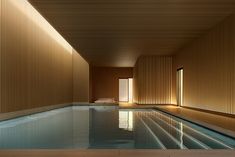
180	87
130	90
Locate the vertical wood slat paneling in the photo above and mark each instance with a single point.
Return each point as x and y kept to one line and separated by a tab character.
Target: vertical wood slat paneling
80	79
209	69
233	73
36	70
152	80
0	53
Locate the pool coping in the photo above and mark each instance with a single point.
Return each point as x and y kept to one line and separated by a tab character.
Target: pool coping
117	153
25	112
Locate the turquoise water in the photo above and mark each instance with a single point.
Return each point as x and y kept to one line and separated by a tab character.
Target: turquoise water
107	127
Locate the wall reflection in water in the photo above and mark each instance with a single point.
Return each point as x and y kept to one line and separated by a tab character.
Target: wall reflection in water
107	127
45	130
61	128
71	127
106	132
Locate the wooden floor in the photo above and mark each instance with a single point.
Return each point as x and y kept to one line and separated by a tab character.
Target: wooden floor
133	106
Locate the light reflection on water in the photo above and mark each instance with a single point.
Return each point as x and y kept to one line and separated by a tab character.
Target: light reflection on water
107	127
126	120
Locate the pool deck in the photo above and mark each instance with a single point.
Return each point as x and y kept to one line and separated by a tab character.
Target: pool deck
118	153
218	122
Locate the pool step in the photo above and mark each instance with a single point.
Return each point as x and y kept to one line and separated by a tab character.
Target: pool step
159	133
158	142
185	138
201	138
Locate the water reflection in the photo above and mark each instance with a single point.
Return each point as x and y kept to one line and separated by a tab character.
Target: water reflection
126	120
107	127
47	130
105	131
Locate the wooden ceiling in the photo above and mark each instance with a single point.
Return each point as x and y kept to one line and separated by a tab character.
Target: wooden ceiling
115	32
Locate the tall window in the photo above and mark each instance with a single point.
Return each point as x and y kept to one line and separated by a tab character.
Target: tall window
125	90
180	87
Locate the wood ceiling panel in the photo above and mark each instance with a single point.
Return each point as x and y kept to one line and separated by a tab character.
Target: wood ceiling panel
116	32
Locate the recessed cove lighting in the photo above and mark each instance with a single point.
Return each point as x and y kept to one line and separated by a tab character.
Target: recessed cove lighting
25	7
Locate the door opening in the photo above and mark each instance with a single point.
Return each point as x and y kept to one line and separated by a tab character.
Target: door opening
125	90
179	84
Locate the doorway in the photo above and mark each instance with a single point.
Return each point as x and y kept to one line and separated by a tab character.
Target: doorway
126	90
179	86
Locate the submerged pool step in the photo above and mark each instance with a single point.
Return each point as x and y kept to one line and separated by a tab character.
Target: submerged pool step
181	145
202	137
186	139
168	140
159	143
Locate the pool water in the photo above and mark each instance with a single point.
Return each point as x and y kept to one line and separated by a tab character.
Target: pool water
107	127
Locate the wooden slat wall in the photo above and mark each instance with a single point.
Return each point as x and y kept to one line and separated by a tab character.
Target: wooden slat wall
80	79
209	64
233	65
153	80
0	51
36	69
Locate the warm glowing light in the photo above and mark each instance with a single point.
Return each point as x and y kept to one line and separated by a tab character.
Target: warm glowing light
180	87
25	7
123	90
130	90
130	121
181	135
172	106
126	90
126	120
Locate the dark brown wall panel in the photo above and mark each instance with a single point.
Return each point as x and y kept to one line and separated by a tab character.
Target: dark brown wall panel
105	81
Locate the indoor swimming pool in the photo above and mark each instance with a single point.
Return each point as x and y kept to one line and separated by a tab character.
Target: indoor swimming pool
107	127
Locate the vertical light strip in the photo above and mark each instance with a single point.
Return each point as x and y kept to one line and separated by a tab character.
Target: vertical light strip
130	95
181	87
178	87
26	8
